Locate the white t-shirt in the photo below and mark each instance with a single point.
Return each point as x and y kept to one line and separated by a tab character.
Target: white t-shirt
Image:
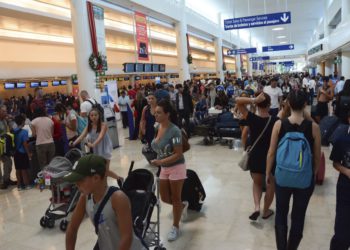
305	82
86	106
123	102
71	117
312	84
274	94
181	102
44	130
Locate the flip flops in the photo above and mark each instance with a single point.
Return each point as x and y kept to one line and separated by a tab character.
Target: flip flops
269	215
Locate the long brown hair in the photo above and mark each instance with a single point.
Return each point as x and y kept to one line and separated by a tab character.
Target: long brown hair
99	123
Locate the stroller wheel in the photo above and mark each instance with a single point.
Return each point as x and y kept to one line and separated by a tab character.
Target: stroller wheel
43	221
63	225
50	223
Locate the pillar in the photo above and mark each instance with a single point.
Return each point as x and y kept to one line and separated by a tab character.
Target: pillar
319	68
218	58
345	64
83	48
325	20
238	66
328	67
181	45
345	10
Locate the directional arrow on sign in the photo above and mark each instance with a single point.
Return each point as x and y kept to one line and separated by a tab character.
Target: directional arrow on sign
291	46
284	18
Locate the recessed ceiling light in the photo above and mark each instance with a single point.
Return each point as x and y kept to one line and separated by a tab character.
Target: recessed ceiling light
284	42
281	37
278	28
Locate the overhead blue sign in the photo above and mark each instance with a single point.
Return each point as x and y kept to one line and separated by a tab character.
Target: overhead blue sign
261	66
258	21
233	52
287	63
259	58
255	65
278	47
271	63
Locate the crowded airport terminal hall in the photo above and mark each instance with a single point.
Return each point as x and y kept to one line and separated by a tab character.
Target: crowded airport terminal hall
174	124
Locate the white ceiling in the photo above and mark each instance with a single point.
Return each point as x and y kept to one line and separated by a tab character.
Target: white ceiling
305	18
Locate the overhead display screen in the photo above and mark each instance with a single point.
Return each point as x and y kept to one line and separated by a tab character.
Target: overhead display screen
138	67
55	83
21	85
34	84
148	67
129	67
162	67
9	85
155	67
44	84
63	82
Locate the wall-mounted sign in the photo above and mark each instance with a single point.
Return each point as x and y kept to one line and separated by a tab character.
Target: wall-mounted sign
232	52
259	58
258	21
315	49
278	47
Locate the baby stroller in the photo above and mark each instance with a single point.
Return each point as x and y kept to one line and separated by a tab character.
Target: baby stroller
139	186
64	195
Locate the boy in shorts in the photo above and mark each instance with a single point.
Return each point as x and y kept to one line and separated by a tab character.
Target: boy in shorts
115	230
22	154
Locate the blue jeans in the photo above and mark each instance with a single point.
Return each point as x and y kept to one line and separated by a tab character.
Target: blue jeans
301	198
311	96
341	238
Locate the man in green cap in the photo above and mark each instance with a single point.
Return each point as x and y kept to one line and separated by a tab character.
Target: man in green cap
114	223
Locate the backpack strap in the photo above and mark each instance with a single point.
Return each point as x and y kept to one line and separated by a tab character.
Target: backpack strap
91	102
97	215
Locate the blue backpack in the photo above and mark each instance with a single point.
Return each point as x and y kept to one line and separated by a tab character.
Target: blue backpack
294	161
82	123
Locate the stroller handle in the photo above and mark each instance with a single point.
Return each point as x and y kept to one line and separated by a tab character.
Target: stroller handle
131	167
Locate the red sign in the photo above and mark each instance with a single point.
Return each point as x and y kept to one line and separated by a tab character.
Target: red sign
141	36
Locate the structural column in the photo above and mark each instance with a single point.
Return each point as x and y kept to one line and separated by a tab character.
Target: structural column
238	66
83	48
319	69
328	67
218	58
345	64
345	10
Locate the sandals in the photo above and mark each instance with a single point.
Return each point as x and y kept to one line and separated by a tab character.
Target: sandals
269	215
254	216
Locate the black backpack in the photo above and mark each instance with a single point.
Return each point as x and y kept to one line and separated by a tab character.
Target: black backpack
193	191
98	106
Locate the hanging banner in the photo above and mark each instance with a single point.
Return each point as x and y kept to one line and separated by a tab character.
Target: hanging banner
278	48
255	65
232	52
259	58
100	34
141	36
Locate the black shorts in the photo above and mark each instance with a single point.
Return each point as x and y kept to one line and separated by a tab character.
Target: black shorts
322	109
21	161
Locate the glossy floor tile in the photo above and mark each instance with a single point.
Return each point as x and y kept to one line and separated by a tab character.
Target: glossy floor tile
222	224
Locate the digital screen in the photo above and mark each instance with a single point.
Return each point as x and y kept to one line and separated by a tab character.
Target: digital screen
129	67
137	77
138	67
155	67
44	84
75	82
63	82
55	83
148	67
9	85
162	67
21	85
34	84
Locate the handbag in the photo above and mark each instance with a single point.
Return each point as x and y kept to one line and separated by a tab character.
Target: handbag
243	163
185	144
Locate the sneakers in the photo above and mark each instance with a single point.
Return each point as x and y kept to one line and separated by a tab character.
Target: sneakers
184	211
173	234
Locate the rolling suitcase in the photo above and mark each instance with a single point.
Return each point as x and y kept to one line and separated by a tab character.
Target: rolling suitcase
321	171
193	191
149	153
341	130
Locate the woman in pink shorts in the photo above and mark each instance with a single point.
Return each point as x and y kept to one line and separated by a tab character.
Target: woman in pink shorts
168	145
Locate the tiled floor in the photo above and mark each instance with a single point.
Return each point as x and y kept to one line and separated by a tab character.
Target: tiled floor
222	224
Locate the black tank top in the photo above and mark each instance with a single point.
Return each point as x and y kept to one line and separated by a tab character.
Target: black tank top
305	127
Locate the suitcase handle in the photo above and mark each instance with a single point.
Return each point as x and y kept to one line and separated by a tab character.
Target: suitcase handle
131	167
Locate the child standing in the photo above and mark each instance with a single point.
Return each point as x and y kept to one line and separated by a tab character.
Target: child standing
113	222
97	139
22	154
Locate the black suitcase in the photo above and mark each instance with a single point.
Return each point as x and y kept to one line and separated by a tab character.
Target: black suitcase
341	130
327	126
193	191
149	153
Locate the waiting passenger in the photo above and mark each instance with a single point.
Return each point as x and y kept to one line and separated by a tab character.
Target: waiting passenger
168	145
341	162
275	94
324	96
257	159
308	163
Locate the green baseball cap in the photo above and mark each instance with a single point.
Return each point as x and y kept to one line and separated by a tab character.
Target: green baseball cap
88	165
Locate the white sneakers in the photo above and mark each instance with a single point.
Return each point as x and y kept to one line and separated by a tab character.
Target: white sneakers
173	234
184	211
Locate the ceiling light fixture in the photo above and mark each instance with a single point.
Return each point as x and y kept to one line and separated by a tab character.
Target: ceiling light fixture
284	42
277	29
281	37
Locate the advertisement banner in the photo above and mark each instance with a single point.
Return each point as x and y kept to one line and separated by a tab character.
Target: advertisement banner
141	36
100	33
